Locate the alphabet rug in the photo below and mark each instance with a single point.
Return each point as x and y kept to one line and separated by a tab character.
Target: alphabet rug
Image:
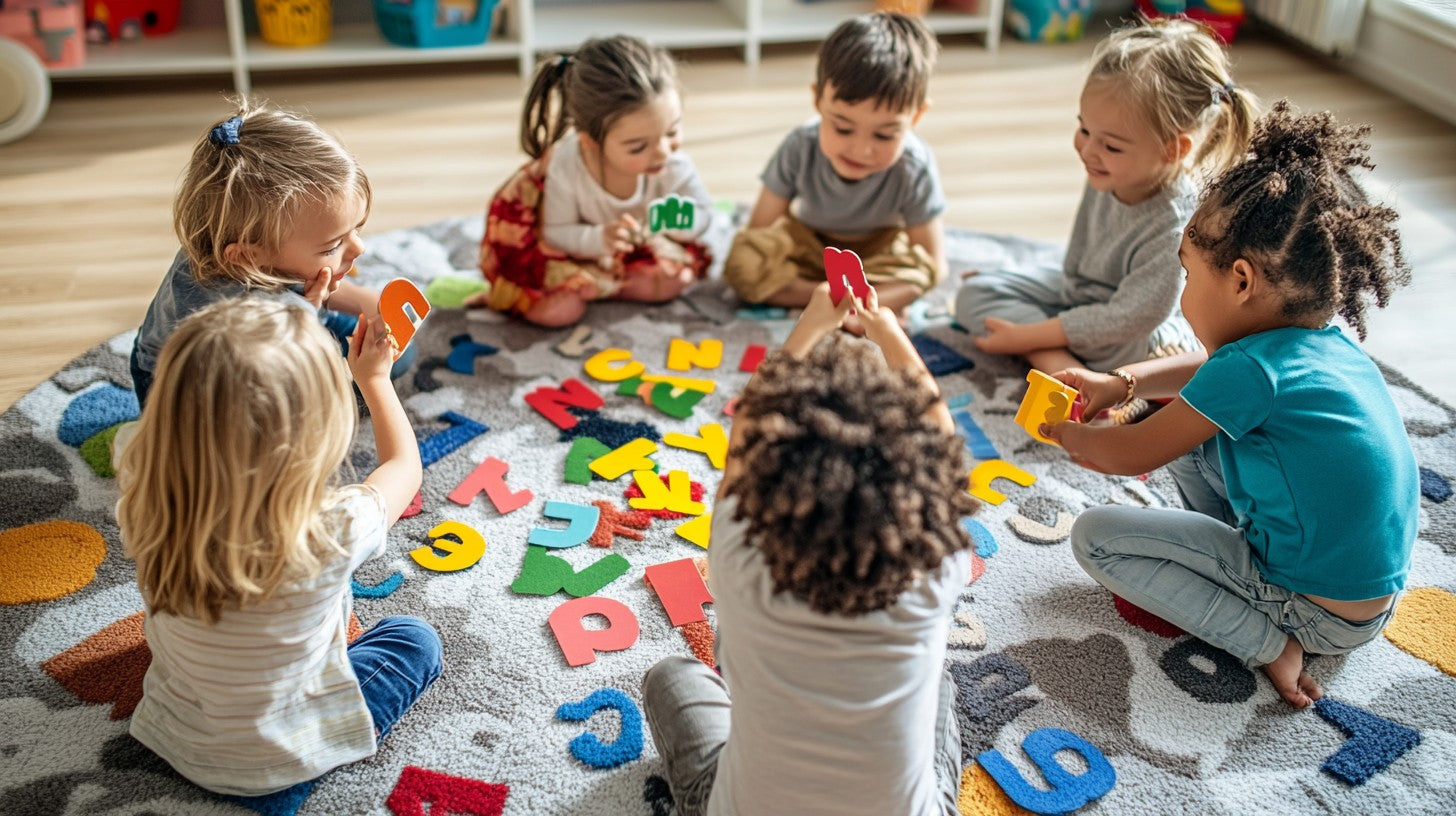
528	558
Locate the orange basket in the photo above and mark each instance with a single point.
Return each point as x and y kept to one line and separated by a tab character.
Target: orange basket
295	23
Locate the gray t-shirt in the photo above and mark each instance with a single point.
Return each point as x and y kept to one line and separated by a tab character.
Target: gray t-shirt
180	295
906	194
1121	276
831	714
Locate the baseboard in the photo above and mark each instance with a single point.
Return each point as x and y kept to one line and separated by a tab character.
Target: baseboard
1410	53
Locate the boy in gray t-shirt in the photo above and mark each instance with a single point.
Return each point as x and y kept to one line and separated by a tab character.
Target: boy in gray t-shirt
856	177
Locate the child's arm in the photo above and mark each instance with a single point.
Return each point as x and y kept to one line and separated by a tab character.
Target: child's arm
1006	337
371	354
1130	450
820	317
563	228
351	298
882	327
931	236
769	208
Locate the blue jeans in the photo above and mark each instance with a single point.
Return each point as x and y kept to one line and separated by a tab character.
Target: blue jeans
395	661
1195	569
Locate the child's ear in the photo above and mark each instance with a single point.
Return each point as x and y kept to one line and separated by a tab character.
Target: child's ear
591	143
1179	148
240	254
814	89
924	106
1246	279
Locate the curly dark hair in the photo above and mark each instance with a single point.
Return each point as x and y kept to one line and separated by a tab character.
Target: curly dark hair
1293	207
850	489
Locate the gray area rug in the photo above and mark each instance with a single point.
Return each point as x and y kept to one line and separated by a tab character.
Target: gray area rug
1037	644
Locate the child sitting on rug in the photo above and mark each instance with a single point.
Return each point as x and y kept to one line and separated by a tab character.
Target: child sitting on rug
269	204
245	543
1158	104
1294	461
837	560
856	176
574	224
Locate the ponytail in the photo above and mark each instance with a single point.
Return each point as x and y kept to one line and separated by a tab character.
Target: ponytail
539	130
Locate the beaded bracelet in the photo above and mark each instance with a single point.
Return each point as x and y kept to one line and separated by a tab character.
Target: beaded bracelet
1131	380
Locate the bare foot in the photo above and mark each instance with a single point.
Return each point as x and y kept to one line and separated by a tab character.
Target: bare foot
1289	678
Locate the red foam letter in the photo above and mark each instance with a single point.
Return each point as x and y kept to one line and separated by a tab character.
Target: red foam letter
681	589
552	402
579	645
490	476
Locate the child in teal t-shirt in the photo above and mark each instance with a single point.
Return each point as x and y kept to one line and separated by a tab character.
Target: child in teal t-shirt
1283	440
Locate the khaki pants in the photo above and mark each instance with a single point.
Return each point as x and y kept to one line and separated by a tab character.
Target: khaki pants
764	261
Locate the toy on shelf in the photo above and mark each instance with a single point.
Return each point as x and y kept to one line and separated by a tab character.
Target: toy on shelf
108	20
435	23
50	29
1047	402
1222	17
912	8
295	23
1048	20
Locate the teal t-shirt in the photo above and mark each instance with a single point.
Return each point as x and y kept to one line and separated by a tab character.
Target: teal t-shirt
1316	460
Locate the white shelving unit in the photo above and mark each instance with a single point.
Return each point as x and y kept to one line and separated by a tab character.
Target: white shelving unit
530	28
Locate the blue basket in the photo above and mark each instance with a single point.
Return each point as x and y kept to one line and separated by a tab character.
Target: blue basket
434	23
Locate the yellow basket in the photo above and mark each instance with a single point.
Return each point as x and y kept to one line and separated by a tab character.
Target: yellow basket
295	22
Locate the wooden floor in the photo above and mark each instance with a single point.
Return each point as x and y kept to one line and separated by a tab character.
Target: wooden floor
85	223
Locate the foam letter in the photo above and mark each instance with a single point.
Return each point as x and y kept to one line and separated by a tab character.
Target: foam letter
697	530
977	442
601	366
711	441
592	751
438	445
1374	742
682	355
396	296
675	402
577	343
1068	791
983	473
463	352
752	356
581	522
584	450
490	476
464	547
545	574
676	495
671	212
579	645
985	700
631	456
681	589
1048	401
690	383
843	269
552	402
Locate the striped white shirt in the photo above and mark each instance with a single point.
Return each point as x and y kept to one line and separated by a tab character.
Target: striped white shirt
265	698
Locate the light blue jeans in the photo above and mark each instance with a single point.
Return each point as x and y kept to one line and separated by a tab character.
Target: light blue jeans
1194	568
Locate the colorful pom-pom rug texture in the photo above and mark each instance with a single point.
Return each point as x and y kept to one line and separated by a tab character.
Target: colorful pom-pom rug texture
557	567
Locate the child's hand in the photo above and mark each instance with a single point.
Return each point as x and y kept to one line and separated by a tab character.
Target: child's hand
820	317
1098	391
621	235
371	349
323	285
1002	337
880	322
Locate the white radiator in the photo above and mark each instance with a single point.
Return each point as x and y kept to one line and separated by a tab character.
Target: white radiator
1330	26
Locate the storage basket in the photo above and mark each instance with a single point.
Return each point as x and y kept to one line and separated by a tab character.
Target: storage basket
434	23
53	30
295	22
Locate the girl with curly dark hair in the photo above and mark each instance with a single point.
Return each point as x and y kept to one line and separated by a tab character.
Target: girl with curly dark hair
1283	439
837	559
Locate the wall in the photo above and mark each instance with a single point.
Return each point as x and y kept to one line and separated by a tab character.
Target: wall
1409	49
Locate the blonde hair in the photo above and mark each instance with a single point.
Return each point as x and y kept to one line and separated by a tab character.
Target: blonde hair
225	485
1177	76
250	190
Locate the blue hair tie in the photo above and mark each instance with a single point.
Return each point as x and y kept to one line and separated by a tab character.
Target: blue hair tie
226	133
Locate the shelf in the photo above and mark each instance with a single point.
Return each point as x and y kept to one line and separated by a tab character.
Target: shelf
677	24
185	51
362	44
794	20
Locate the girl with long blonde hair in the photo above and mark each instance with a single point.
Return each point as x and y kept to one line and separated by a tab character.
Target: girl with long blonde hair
245	541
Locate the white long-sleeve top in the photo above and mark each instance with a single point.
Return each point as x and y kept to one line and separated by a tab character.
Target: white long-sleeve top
576	206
